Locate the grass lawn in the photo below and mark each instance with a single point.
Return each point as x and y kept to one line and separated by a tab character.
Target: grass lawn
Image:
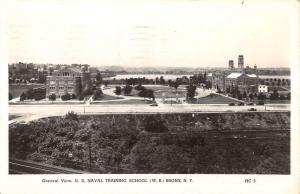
131	101
11	117
272	101
171	102
214	99
16	90
108	97
168	91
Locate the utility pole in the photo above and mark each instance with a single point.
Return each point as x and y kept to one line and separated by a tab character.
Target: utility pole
90	152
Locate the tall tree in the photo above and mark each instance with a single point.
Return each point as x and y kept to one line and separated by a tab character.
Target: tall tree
127	89
191	91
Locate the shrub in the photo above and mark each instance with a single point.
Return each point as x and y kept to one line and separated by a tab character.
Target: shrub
23	97
52	97
66	97
72	116
80	97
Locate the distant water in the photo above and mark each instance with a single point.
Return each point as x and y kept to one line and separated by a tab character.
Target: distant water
275	76
147	76
173	77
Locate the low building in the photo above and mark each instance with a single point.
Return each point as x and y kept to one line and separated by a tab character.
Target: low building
262	88
245	82
217	80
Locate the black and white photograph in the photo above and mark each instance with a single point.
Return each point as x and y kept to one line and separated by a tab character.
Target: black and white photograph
150	87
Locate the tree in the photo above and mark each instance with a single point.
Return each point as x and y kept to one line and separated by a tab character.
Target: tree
191	91
251	96
127	89
139	87
261	96
239	95
52	97
162	80
150	94
23	96
87	90
176	85
80	96
97	94
118	90
244	94
288	97
143	93
274	95
98	79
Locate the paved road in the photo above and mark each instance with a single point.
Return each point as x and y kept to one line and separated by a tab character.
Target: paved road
28	167
32	112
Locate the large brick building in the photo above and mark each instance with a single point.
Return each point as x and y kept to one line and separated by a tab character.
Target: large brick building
71	80
245	82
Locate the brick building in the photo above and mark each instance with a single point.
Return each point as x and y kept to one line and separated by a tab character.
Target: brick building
71	80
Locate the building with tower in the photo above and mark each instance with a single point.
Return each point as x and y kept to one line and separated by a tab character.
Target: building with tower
230	64
241	62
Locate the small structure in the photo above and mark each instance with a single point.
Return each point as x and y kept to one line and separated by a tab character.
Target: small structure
262	88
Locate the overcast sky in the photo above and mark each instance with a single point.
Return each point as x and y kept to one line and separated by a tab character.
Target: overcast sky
151	33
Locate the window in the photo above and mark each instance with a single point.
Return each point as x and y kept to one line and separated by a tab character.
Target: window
65	73
70	88
52	87
61	87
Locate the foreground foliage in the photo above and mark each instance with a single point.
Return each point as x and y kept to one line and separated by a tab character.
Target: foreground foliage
161	143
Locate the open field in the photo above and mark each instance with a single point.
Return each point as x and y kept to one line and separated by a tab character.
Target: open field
187	143
168	91
272	101
130	101
108	97
16	90
214	99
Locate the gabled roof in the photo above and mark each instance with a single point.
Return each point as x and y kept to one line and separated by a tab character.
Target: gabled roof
234	75
251	75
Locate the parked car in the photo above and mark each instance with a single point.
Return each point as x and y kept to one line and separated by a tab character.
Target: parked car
252	109
153	104
250	104
231	104
241	104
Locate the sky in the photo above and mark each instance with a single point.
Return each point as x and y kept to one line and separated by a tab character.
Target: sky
181	33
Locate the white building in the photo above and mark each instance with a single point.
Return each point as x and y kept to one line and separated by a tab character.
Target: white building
263	88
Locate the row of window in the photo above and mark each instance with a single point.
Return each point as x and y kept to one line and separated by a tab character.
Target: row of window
60	88
62	82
